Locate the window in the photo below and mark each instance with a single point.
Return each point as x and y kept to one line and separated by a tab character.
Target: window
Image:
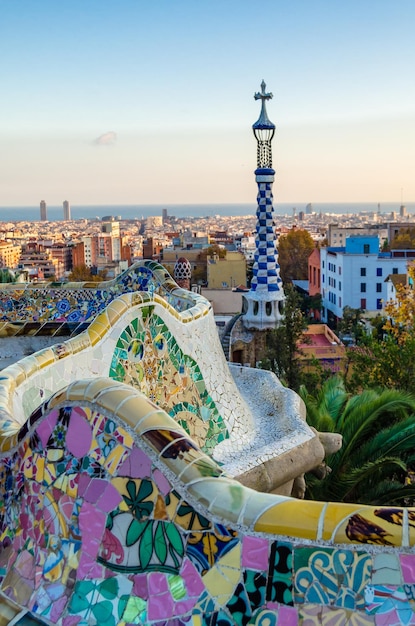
378	271
340	285
340	302
340	271
366	248
378	287
394	270
323	265
362	271
379	303
363	287
362	303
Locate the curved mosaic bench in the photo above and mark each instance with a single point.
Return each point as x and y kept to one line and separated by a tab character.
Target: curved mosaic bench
249	422
68	308
118	503
111	514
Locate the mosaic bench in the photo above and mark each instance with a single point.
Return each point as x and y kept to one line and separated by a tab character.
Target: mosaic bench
118	498
155	339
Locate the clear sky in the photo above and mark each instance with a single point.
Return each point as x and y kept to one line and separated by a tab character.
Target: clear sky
151	101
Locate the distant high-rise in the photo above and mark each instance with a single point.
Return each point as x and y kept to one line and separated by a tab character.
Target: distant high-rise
66	211
43	212
309	209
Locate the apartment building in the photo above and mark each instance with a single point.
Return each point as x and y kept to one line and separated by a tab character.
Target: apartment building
9	254
355	275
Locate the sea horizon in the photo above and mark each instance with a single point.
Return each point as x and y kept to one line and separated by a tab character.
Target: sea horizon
141	211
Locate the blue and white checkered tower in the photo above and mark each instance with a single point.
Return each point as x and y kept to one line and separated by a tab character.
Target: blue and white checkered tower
263	304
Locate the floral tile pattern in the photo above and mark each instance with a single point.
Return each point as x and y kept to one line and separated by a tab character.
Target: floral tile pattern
113	511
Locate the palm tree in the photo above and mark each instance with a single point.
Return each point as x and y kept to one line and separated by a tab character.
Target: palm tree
378	452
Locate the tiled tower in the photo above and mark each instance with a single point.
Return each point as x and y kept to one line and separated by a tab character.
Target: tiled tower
263	304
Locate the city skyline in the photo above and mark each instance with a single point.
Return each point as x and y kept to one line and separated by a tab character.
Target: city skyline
151	103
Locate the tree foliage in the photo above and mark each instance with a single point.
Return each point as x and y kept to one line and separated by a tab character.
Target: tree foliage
350	323
378	363
282	353
401	311
377	457
294	248
82	273
386	358
404	240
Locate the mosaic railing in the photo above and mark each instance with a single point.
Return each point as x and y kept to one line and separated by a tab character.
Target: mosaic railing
67	308
113	510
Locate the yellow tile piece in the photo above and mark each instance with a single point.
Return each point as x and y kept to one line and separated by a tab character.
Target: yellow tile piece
54	455
93	387
114	459
154	418
79	343
45	357
7	443
221	580
94	335
115	310
353	523
33	466
295	518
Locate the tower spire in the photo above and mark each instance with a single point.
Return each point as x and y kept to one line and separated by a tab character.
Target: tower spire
263	304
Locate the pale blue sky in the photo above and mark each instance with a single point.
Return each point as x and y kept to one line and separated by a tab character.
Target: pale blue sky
151	102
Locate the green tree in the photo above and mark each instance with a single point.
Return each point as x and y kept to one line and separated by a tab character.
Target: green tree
282	355
383	362
82	273
378	452
215	249
294	248
351	323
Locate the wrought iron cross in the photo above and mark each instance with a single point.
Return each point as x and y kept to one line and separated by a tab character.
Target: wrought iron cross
263	96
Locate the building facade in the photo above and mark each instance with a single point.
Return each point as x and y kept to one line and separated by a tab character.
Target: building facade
66	211
226	272
9	254
43	211
355	275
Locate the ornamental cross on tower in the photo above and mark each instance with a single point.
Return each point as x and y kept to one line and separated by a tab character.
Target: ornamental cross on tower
263	96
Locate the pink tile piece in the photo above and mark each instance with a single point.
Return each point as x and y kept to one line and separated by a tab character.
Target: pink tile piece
95	489
58	608
92	526
157	583
88	568
110	499
185	606
83	482
288	615
140	586
137	465
79	434
45	428
255	553
25	565
161	482
160	606
71	620
192	578
408	567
